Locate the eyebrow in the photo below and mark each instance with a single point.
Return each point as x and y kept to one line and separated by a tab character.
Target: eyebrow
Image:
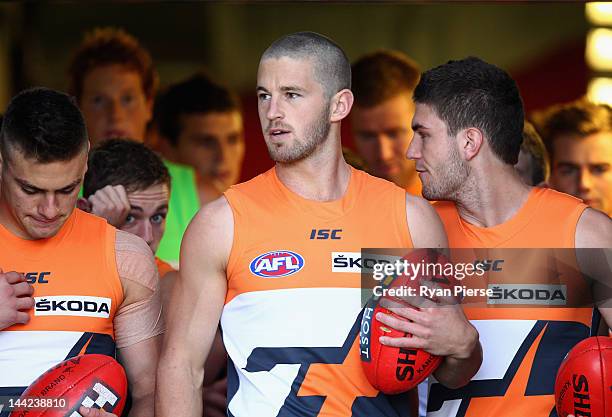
292	88
283	89
162	207
25	183
576	164
417	126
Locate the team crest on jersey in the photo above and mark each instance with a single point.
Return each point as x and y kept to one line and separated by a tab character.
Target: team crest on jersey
277	264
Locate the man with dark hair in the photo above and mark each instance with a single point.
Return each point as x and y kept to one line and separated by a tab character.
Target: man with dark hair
533	164
200	123
289	357
200	126
77	259
113	79
578	136
468	126
128	185
383	83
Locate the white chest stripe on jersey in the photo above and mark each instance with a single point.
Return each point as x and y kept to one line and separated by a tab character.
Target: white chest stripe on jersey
21	358
286	318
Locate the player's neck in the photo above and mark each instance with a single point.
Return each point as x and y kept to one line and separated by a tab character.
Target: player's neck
322	176
489	200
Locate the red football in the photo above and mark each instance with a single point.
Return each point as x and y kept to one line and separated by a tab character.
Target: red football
393	370
390	369
584	382
96	381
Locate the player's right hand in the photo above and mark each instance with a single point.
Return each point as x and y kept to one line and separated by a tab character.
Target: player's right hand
15	299
111	203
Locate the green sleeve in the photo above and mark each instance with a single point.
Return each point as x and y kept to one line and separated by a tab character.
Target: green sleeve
184	204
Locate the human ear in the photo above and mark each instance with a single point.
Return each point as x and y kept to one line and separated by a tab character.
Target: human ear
341	104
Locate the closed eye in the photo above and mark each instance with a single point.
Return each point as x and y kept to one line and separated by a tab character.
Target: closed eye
29	191
66	190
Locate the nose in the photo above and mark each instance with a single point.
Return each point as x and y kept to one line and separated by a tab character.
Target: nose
49	207
274	110
221	152
585	180
385	148
115	109
414	149
145	231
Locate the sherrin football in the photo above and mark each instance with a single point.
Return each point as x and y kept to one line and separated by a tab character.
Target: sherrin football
584	381
95	381
393	370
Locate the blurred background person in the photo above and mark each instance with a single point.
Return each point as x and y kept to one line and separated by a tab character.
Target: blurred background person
533	163
113	79
383	83
578	136
199	125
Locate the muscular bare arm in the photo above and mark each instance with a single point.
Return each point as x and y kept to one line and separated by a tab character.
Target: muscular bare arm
196	304
425	226
594	230
138	324
214	388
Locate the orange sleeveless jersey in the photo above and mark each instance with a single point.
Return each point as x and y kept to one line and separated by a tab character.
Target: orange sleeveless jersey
76	291
523	344
163	267
293	306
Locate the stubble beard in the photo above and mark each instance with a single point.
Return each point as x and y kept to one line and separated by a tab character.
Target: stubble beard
315	135
452	176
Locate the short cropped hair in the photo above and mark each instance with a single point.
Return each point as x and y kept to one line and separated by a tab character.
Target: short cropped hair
123	162
534	147
44	125
383	75
198	94
332	68
580	118
474	93
108	46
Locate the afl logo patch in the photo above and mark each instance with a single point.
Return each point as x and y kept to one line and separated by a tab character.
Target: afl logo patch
277	264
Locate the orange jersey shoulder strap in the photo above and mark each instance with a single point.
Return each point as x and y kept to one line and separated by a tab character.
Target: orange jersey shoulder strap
548	219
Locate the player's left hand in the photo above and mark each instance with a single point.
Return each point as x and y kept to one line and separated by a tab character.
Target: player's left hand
439	328
94	412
